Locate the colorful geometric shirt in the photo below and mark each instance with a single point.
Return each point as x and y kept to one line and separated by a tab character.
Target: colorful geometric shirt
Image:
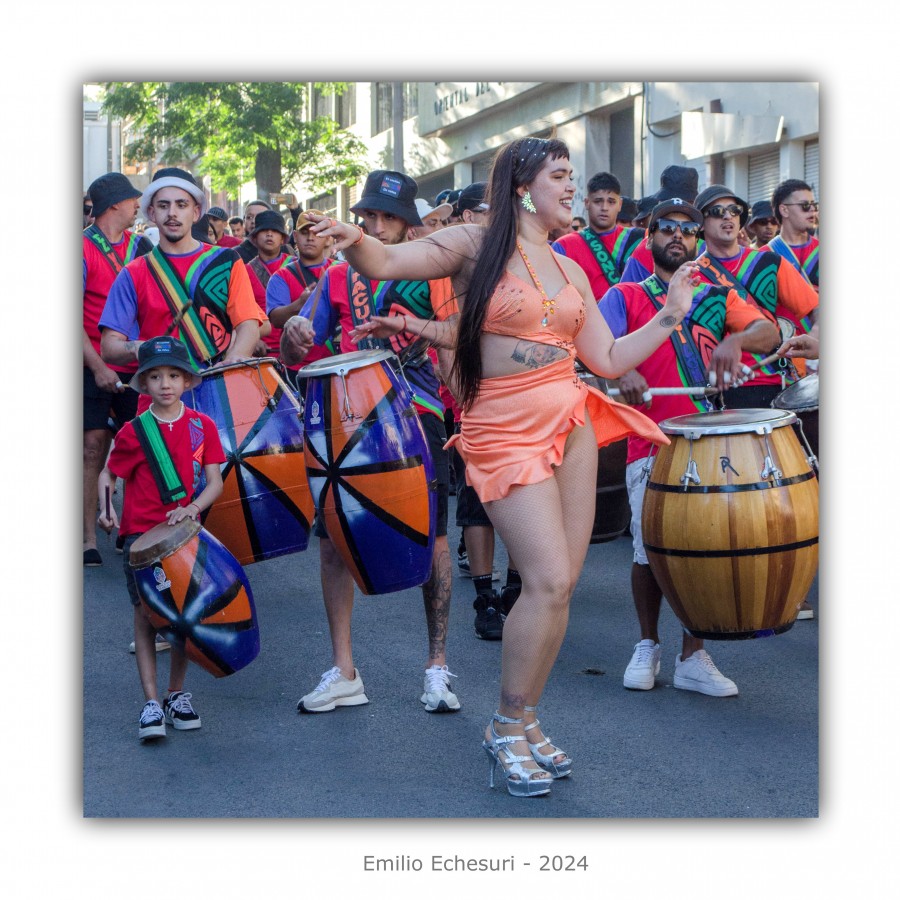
620	242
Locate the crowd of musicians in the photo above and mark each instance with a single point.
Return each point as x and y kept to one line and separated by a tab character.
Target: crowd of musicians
490	301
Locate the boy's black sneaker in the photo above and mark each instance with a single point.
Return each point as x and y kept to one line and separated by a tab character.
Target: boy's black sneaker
152	724
488	624
508	597
179	712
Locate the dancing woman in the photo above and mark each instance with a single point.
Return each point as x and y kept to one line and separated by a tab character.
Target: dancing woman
530	427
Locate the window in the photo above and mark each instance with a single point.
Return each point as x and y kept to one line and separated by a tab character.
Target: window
763	175
345	106
384	105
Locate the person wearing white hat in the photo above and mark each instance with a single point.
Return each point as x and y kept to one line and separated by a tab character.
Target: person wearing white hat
183	287
432	217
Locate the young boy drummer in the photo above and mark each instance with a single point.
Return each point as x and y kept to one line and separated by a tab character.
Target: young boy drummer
174	437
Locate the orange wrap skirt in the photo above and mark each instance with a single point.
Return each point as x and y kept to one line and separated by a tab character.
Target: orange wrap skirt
516	431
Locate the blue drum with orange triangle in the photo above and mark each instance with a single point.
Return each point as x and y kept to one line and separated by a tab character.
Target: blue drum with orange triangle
370	470
265	509
196	594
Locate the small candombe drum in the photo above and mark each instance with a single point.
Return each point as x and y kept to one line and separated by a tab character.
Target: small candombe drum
265	509
802	399
197	595
613	512
731	522
370	469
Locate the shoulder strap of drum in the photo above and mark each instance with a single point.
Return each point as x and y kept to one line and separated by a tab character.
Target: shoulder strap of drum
301	274
690	360
159	458
601	254
362	306
259	269
98	238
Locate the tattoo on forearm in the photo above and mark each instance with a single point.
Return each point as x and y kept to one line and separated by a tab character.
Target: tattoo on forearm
668	321
132	347
535	356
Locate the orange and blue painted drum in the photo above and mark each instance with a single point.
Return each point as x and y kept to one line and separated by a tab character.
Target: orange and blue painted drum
731	522
370	470
265	509
197	595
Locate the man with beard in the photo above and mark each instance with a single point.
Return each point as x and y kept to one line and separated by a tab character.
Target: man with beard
603	248
797	212
387	210
183	287
722	324
107	246
762	278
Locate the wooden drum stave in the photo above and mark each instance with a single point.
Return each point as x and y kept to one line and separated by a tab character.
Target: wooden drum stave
731	522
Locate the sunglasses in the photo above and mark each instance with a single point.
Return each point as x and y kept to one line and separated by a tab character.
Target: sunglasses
669	226
718	211
88	209
772	222
806	205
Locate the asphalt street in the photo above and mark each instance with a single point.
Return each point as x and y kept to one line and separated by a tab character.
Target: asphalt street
660	754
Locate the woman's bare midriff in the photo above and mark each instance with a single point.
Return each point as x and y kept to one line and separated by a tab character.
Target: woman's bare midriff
506	355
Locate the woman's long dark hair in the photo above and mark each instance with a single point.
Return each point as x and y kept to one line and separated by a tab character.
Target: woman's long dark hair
515	165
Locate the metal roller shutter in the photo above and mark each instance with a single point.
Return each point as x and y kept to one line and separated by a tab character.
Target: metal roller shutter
763	175
811	165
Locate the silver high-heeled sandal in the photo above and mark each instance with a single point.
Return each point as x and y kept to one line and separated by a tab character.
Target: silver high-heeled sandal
520	782
547	762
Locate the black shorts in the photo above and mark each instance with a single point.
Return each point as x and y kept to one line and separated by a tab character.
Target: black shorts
437	437
469	509
107	409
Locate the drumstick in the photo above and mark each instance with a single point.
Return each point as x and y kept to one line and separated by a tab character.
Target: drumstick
763	362
669	391
177	320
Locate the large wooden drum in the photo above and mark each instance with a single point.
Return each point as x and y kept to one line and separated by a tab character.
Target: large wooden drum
370	469
802	399
731	522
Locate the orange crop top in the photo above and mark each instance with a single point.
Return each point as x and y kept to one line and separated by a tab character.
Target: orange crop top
515	309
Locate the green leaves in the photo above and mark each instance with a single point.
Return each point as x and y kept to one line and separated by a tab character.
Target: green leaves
233	131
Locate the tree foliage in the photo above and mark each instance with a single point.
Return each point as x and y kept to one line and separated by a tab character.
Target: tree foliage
237	130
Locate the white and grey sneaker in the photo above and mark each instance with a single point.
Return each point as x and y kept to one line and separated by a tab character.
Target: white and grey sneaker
641	672
161	644
438	698
334	690
699	673
152	724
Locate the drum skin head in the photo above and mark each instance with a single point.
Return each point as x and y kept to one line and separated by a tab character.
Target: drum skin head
801	396
728	421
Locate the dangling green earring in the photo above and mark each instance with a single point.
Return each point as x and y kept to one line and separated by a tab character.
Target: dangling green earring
528	203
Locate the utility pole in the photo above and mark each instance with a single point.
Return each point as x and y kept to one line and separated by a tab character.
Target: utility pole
397	123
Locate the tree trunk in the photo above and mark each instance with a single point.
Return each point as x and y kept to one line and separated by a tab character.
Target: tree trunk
267	172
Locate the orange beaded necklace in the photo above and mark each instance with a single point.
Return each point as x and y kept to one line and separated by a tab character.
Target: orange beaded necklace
548	305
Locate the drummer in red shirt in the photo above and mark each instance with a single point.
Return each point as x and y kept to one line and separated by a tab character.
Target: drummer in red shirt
185	443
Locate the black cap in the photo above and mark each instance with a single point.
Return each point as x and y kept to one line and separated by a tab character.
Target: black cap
109	189
390	192
164	351
472	197
714	192
679	181
200	229
216	212
628	211
762	209
675	205
269	220
451	196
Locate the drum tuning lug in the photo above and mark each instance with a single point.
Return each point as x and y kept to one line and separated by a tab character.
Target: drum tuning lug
690	474
769	470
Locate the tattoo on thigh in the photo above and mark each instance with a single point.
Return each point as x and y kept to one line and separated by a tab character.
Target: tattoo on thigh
534	356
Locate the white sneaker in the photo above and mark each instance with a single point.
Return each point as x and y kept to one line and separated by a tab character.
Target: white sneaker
641	672
334	690
699	673
438	698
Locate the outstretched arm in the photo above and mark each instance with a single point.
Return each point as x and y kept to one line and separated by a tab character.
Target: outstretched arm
440	254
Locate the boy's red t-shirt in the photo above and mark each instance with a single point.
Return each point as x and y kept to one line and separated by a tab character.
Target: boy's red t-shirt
193	442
